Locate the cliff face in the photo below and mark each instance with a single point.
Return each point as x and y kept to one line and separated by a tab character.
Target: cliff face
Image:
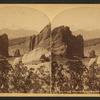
40	40
30	42
60	41
4	45
66	44
43	39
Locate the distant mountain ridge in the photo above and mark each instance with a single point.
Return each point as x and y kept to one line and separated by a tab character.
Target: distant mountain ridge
17	33
87	42
28	43
91	42
87	35
17	41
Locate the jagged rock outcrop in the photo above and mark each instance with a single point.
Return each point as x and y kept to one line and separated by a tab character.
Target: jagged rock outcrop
60	41
17	53
65	44
35	55
4	45
80	45
43	39
92	54
40	40
30	42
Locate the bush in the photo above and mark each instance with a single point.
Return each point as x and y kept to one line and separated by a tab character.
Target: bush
75	78
43	58
69	78
21	80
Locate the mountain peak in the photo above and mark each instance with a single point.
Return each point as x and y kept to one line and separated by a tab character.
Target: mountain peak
17	33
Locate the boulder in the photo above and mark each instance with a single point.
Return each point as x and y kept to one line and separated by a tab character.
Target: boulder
43	58
66	44
92	54
17	53
35	55
4	45
92	62
17	60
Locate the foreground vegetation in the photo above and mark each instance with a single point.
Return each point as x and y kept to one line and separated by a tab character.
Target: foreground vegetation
75	77
72	77
20	79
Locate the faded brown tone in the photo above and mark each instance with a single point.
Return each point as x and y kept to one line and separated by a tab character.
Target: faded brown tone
65	44
69	70
4	45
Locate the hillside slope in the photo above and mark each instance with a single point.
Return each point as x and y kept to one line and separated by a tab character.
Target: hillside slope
87	34
92	44
17	33
17	41
27	44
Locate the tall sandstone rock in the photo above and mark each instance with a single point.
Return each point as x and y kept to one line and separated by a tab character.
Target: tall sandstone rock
66	44
40	40
30	43
43	38
60	41
4	45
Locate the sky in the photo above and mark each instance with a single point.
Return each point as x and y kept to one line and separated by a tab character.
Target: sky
37	16
79	18
75	15
22	18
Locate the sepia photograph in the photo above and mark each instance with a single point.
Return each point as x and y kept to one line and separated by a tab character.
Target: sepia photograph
76	51
24	51
49	49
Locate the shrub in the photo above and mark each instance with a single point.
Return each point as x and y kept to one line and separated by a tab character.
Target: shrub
43	58
19	79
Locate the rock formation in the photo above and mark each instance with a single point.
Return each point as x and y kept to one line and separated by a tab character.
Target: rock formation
92	54
60	40
66	44
4	45
17	53
40	40
30	42
43	39
35	55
